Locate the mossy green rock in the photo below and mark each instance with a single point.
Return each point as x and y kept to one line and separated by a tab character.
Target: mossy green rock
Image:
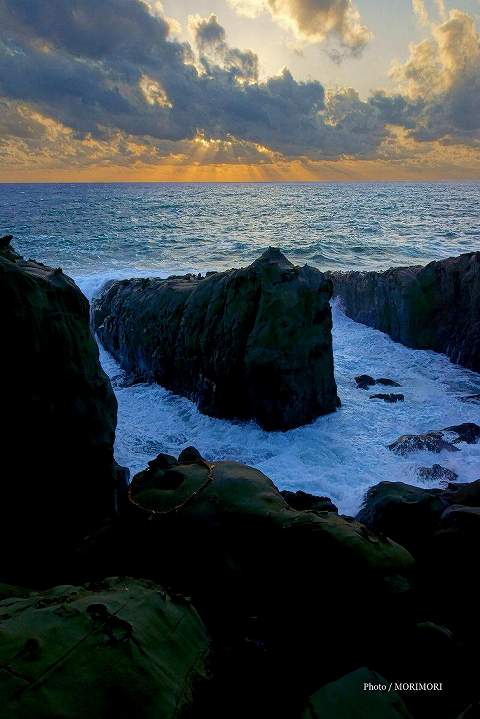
123	649
223	533
346	698
253	343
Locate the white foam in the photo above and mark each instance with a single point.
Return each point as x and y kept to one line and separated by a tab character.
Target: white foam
340	455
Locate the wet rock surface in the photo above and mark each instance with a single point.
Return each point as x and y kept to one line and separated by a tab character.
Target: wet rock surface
248	544
437	441
437	473
435	307
365	381
121	648
253	343
389	397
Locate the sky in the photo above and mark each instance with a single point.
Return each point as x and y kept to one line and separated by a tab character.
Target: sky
239	90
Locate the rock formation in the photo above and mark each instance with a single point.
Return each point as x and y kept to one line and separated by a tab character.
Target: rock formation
436	307
437	441
124	648
58	416
239	550
253	343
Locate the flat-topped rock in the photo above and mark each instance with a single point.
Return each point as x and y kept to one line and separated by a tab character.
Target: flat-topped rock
253	343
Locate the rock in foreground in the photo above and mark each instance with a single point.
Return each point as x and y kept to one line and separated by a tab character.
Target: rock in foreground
350	698
223	534
58	416
124	648
436	307
253	343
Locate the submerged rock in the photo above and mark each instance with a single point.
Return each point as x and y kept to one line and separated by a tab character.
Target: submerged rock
470	398
437	473
59	417
436	307
387	382
468	432
253	343
364	381
437	440
122	648
392	398
429	442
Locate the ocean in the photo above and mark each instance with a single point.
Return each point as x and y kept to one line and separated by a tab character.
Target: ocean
96	232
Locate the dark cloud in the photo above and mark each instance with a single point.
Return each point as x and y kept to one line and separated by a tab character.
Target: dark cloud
210	40
109	71
102	66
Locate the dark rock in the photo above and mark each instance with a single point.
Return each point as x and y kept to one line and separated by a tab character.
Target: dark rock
441	527
349	697
304	501
436	307
6	250
470	398
403	512
364	381
189	455
253	343
460	516
162	461
123	648
467	493
410	515
224	535
437	473
468	432
429	442
5	241
59	418
387	382
388	397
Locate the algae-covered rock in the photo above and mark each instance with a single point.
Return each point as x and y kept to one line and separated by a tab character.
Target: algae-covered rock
223	533
362	694
253	343
122	649
58	416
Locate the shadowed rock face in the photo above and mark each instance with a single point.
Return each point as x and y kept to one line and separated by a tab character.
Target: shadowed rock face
253	343
58	415
436	307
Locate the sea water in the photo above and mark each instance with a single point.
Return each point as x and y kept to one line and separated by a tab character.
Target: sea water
98	232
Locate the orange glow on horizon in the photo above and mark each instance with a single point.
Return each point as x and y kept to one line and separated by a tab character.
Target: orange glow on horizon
294	171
